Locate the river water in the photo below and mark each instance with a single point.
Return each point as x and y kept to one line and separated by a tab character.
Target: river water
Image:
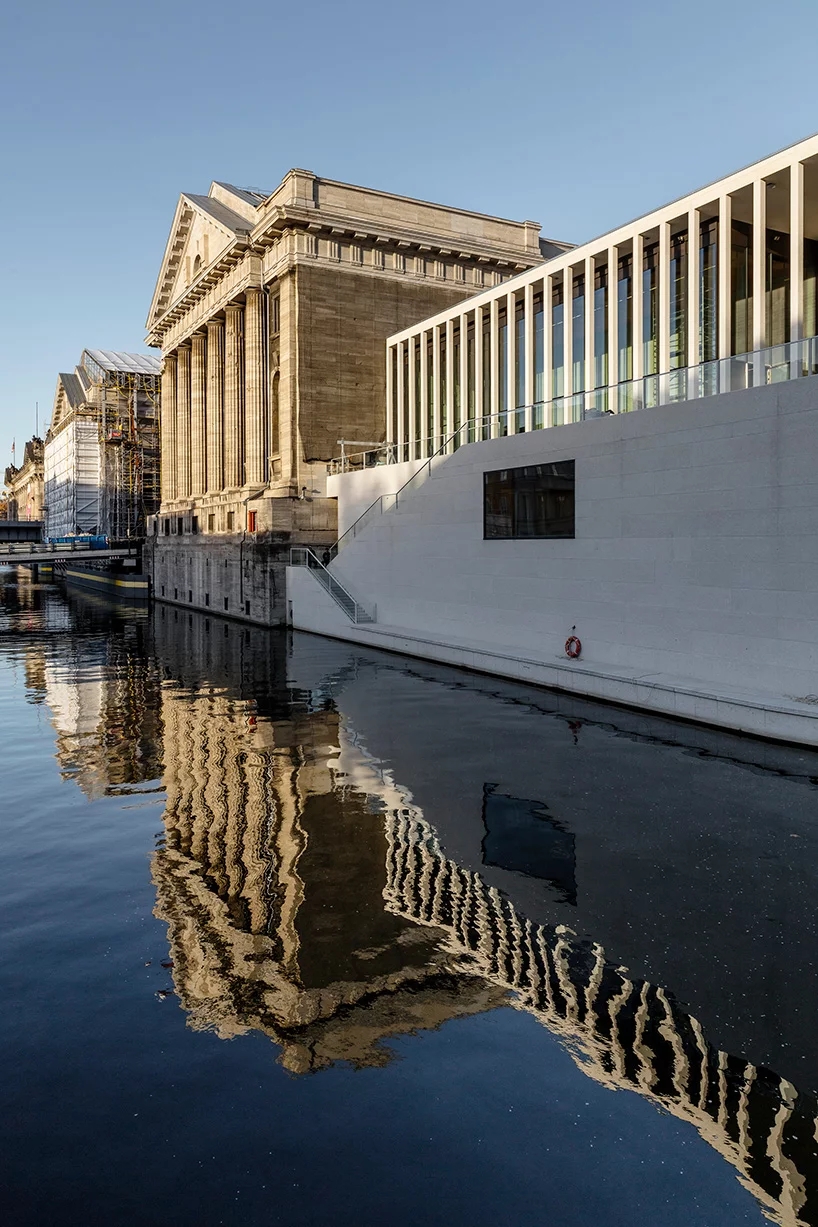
298	933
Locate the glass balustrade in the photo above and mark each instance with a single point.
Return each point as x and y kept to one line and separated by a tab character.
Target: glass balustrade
775	364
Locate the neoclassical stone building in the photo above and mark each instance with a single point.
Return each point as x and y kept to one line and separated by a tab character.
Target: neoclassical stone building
271	312
24	486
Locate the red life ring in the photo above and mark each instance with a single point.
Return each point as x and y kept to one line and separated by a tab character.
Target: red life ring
573	647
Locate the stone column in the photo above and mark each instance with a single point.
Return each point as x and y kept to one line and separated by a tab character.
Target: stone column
167	434
255	449
215	406
183	421
233	399
198	415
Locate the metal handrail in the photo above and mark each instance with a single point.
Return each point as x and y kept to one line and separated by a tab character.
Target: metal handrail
786	361
303	556
426	466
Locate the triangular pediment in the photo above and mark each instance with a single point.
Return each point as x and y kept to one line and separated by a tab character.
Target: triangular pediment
204	228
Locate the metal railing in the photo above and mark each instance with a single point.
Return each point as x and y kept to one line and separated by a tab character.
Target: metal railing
302	556
774	364
12	549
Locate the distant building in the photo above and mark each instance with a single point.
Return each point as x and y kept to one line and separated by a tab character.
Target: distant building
272	311
101	455
24	486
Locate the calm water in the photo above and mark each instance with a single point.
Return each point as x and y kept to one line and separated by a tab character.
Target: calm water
296	933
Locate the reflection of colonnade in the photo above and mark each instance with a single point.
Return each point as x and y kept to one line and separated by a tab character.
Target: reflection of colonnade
273	872
624	1034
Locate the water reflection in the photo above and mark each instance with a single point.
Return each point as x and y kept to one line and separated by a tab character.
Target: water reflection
273	876
308	894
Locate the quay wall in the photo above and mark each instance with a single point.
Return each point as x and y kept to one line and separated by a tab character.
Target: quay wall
238	575
692	580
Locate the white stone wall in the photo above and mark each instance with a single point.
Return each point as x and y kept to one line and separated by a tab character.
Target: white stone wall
695	558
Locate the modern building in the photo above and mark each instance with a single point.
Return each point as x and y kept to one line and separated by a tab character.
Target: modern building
679	543
271	311
24	485
101	454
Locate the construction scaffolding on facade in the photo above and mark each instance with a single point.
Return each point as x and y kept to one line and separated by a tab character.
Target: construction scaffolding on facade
102	448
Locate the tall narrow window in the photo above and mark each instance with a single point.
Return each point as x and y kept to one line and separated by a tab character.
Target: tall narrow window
502	378
470	380
741	264
403	453
456	389
678	316
445	426
393	423
601	332
557	343
624	329
486	376
418	402
778	287
430	398
538	418
810	290
578	334
519	354
709	305
578	349
650	323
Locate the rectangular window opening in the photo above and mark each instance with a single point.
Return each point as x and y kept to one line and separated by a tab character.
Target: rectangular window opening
533	502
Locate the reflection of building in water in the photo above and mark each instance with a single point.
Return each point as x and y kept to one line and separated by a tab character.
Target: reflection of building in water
273	875
306	897
623	1033
105	713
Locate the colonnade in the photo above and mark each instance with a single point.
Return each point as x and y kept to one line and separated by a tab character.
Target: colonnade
213	422
711	293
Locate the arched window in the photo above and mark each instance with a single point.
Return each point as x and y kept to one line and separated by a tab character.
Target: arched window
197	267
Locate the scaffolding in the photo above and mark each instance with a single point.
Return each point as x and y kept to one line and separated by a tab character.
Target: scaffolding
117	396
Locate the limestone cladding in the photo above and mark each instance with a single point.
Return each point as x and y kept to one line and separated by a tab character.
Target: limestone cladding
272	313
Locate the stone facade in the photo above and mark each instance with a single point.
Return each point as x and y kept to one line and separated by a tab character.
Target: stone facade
272	312
24	486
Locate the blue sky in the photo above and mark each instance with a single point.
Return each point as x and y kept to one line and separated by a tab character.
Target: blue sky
579	116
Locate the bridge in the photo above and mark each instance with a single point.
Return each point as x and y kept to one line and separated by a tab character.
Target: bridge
14	553
21	530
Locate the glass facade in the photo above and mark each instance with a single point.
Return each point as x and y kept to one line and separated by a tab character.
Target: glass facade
624	329
777	287
443	399
578	335
539	362
650	323
502	372
485	428
678	316
601	336
471	407
741	284
524	358
557	343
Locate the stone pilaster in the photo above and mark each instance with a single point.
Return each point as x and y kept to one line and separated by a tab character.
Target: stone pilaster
183	422
198	415
255	374
233	397
215	406
167	434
